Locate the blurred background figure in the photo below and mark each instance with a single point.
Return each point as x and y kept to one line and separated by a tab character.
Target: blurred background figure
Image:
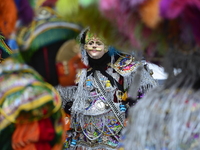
30	106
31	117
41	40
169	117
67	70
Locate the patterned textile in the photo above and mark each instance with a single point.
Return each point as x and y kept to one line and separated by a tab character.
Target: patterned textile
30	114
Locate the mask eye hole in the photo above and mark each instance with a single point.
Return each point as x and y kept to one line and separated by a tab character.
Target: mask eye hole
91	43
99	43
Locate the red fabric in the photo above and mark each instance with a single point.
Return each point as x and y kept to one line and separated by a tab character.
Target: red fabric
47	134
43	146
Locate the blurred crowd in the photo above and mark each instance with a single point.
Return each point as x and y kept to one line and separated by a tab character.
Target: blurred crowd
80	74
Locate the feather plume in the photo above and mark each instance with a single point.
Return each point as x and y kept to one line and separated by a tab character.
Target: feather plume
25	12
67	8
192	16
91	17
187	11
149	12
171	8
124	22
134	3
86	3
32	3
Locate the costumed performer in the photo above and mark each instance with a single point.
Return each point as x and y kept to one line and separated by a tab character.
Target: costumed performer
98	103
30	109
42	39
168	118
48	45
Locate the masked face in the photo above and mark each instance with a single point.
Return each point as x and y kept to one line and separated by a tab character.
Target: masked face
95	48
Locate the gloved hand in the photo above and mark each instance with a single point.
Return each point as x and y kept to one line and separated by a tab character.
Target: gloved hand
67	108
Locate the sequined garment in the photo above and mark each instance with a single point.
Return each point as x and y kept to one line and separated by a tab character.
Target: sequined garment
98	110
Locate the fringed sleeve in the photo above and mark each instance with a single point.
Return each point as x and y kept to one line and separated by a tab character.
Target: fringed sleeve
66	93
146	80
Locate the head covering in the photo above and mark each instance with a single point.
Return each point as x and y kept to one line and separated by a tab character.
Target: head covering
47	28
42	39
90	36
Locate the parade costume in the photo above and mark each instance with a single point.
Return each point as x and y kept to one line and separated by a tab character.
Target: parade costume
30	109
99	101
169	118
31	116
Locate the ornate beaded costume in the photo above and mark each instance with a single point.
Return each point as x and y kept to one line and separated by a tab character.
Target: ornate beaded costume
99	100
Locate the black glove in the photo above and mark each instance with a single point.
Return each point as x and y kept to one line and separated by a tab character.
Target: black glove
67	108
